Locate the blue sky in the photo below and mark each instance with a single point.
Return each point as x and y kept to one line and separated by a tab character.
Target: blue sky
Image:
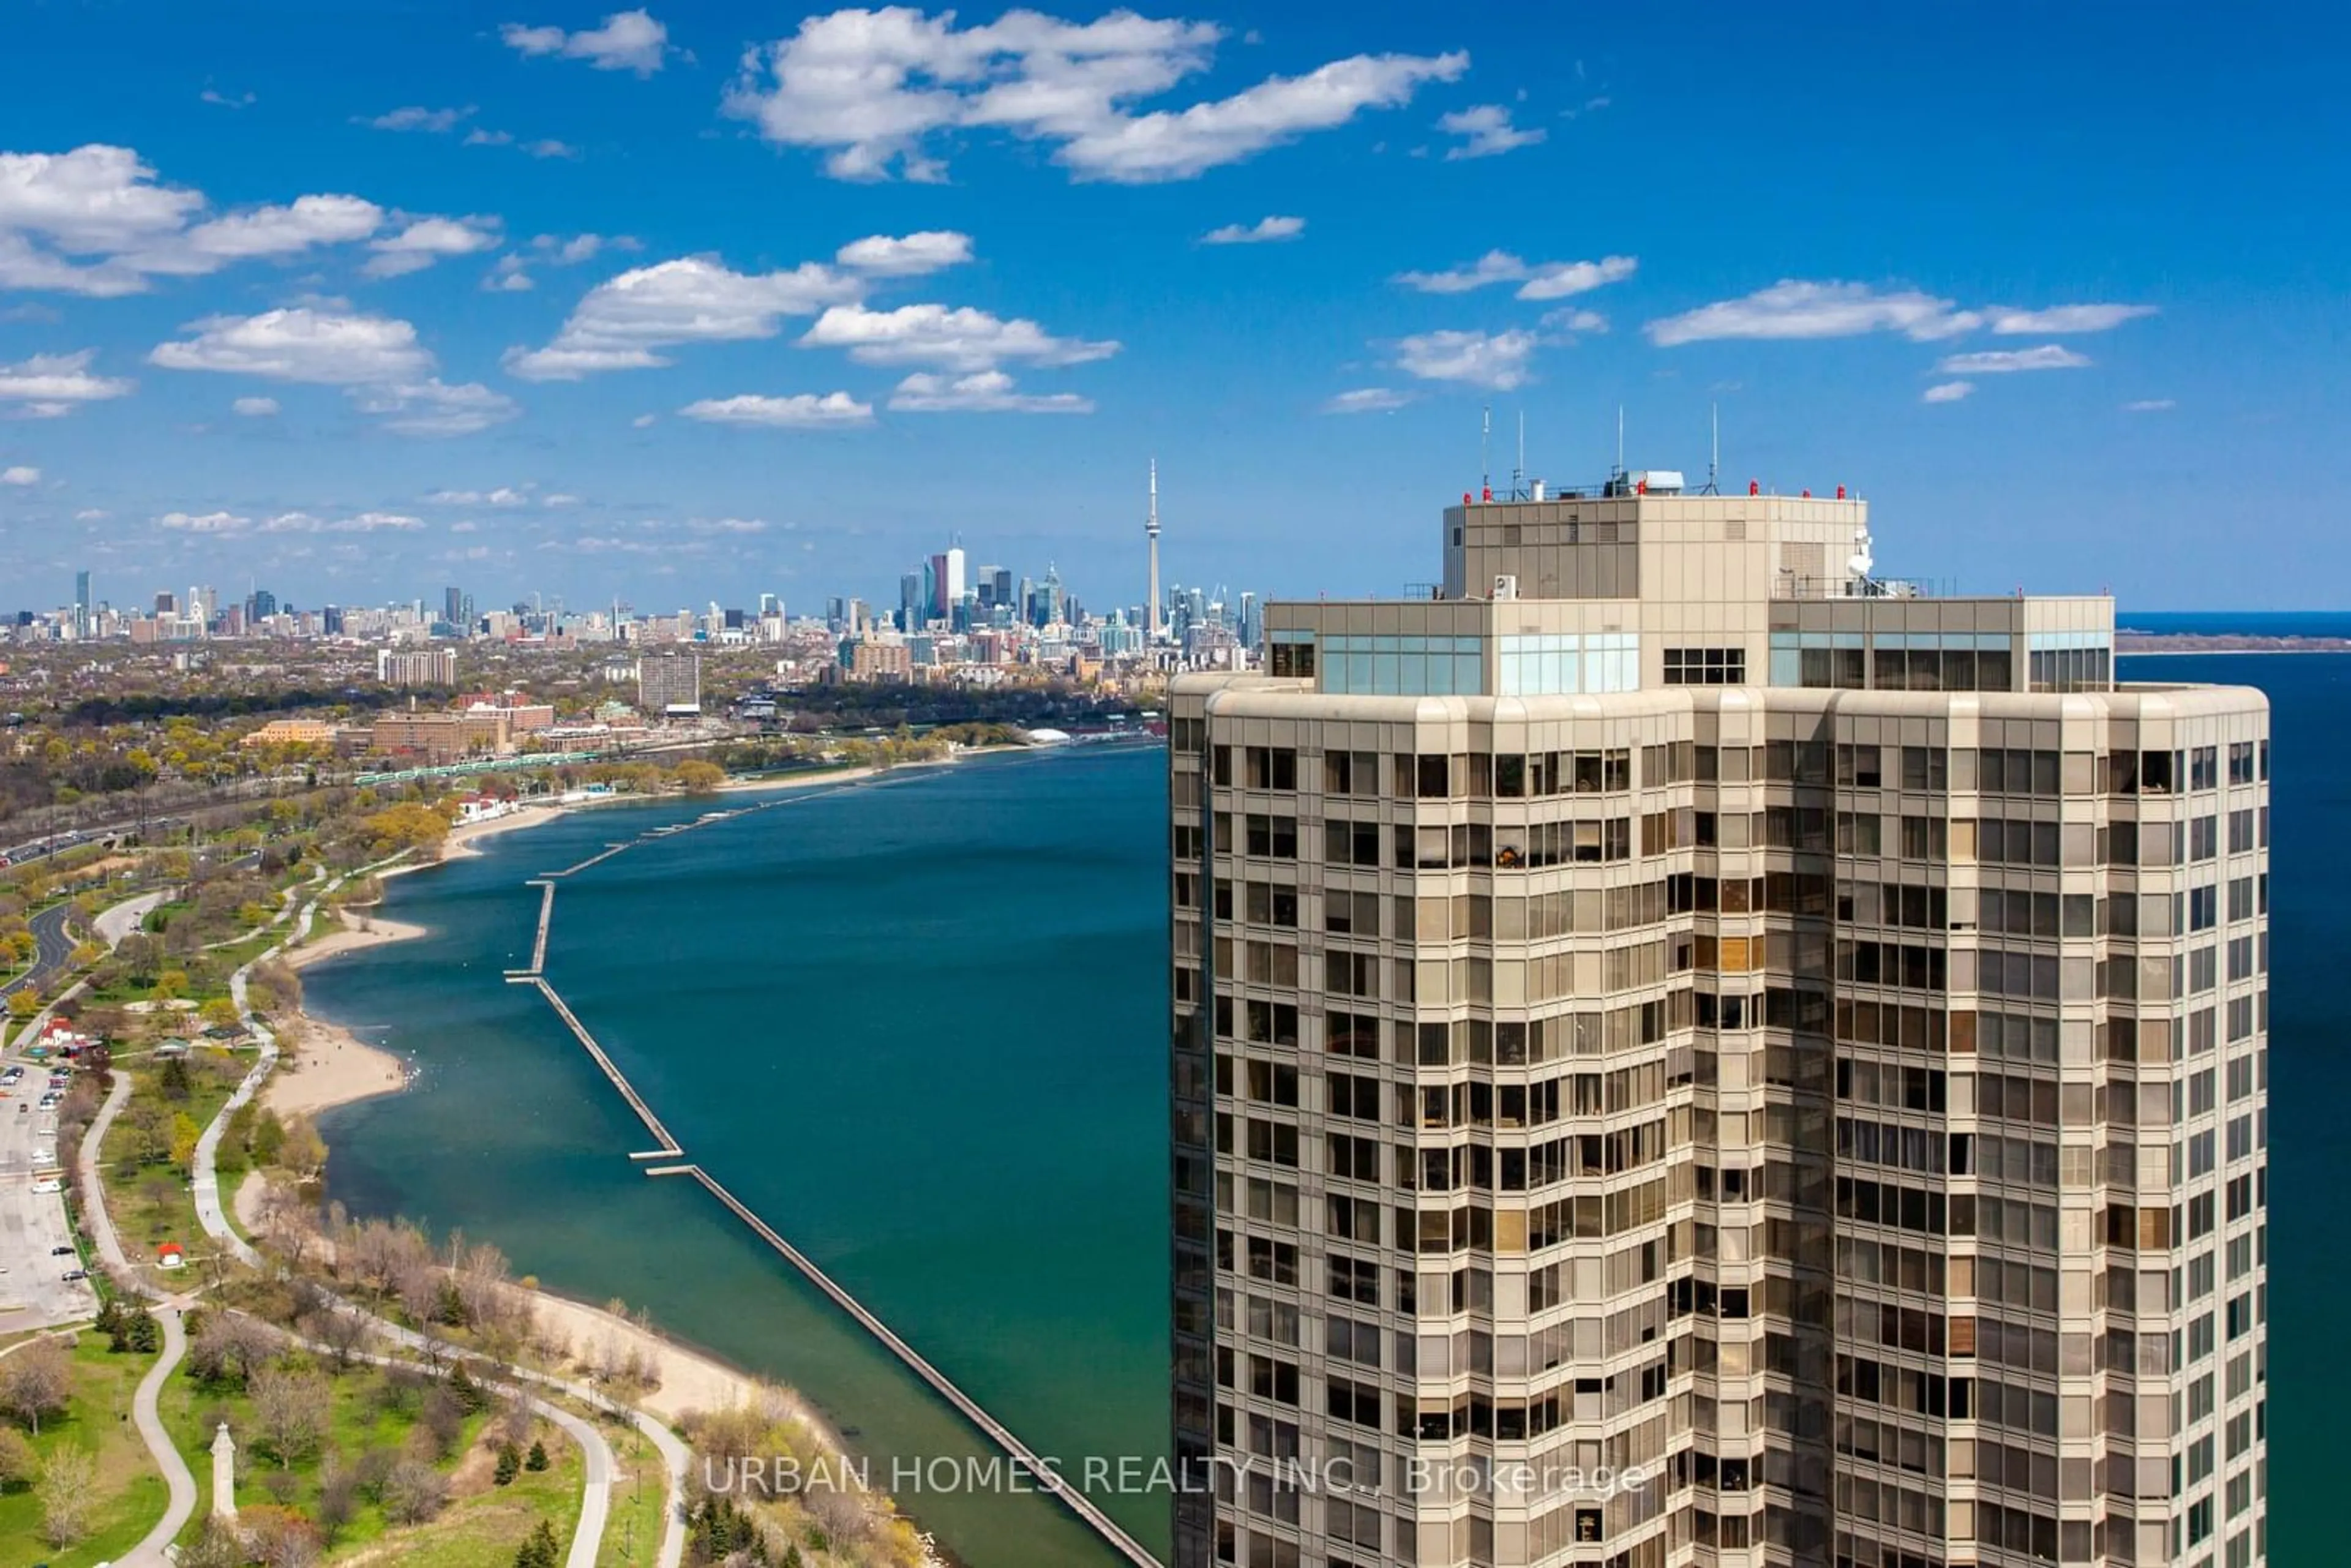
356	300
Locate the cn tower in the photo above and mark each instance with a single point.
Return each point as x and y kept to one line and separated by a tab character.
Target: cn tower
1151	532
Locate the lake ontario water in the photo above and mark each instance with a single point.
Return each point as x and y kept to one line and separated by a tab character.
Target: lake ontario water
919	1026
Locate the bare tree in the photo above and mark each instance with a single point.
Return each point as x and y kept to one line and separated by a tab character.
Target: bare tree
37	1381
414	1491
292	1410
67	1489
229	1348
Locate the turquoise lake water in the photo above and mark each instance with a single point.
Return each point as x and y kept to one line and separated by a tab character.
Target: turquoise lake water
919	1026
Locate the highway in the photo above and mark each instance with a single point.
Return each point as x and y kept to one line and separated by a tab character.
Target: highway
53	947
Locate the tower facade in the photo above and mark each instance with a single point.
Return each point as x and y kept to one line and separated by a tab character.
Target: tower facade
1685	1052
1151	532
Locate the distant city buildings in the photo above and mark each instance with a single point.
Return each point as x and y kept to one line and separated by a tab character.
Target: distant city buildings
951	624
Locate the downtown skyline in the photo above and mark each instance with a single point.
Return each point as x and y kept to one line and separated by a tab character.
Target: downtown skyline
545	306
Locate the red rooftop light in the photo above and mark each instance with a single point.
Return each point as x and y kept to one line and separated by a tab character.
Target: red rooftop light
1754	489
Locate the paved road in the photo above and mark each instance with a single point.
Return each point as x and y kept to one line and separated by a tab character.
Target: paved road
149	1552
53	946
113	925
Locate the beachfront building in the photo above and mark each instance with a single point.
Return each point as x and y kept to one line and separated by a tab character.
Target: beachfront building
1686	1052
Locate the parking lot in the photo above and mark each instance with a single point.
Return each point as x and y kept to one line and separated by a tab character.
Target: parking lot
34	1291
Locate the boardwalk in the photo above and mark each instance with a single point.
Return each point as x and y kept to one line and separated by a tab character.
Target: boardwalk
1047	1478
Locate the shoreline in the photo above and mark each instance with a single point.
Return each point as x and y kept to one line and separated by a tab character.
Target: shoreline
328	1067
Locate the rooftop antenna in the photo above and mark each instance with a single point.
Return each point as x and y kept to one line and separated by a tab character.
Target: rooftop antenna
1518	475
1485	449
1714	454
1620	441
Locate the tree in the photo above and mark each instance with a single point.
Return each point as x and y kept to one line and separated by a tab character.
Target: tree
541	1550
36	1381
219	1013
537	1461
303	1152
19	1465
696	777
509	1465
185	1135
68	1487
171	1080
414	1491
266	1141
292	1410
226	1348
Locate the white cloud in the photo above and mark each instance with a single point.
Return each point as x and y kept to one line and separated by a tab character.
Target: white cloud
911	255
220	100
546	147
560	252
2150	405
293	522
983	392
301	344
92	515
94	221
870	87
1794	308
1947	392
726	525
416	117
433	407
1562	279
1497	361
503	495
1259	233
1569	319
2064	318
626	321
1538	280
629	40
1993	362
959	339
20	475
1487	131
645	421
427	241
804	411
376	359
254	407
1368	400
49	385
558	499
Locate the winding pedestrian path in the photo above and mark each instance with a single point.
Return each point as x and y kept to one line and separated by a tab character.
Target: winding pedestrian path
177	1478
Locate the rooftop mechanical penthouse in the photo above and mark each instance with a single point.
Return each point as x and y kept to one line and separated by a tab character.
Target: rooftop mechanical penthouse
1687	1051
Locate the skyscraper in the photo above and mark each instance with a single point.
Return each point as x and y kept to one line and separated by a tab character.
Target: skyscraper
81	603
946	582
1151	532
452	607
1686	1052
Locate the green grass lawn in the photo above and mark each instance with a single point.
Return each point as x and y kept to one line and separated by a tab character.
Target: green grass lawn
131	1495
151	1202
633	1534
480	1528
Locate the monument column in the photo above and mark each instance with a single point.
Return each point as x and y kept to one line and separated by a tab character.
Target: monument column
223	1475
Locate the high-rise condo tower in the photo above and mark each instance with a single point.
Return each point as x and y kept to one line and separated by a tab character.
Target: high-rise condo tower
1685	1052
